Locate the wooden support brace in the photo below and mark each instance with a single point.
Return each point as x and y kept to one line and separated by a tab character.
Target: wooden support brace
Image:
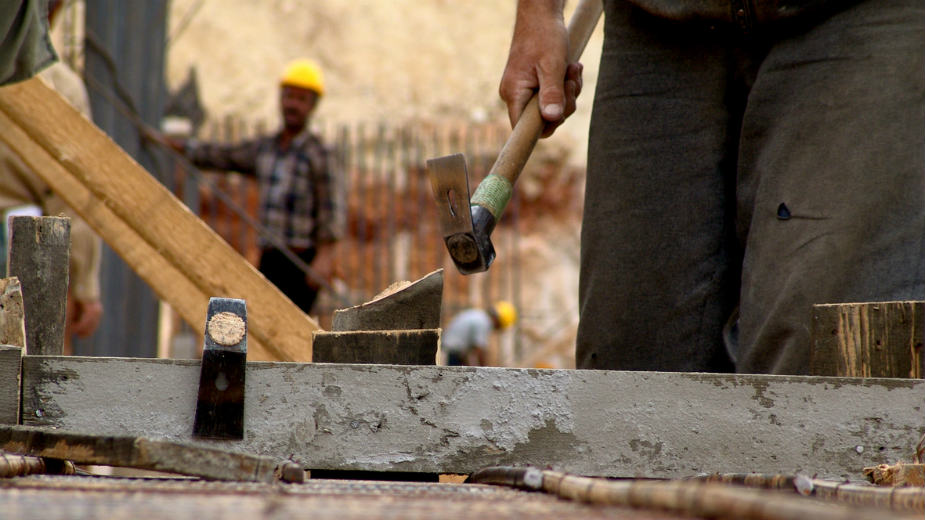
39	255
878	339
178	255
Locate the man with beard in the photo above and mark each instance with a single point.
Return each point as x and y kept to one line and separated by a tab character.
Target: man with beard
299	200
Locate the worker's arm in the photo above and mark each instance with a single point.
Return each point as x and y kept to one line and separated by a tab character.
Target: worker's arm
239	157
537	60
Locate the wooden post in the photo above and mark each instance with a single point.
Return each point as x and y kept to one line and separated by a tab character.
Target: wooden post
878	339
39	253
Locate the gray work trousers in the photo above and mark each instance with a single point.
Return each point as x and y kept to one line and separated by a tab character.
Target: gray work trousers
757	174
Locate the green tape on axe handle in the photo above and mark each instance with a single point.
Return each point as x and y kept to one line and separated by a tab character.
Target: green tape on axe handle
493	194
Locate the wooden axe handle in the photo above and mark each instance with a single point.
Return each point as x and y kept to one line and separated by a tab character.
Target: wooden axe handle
494	192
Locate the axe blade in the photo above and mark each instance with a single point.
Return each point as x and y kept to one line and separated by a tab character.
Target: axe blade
469	245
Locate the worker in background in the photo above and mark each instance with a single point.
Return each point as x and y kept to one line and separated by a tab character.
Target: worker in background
22	192
300	201
747	159
465	340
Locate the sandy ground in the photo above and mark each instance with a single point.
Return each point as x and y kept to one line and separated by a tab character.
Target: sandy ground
384	60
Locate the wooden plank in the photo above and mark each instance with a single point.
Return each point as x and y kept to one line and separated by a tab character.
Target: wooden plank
38	120
10	372
39	255
460	419
12	314
165	280
878	339
393	347
137	452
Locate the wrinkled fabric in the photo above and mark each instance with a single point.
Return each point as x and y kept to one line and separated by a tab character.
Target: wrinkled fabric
768	174
300	197
25	45
737	11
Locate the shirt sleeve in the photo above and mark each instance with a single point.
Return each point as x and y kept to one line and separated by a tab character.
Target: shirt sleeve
239	157
25	46
328	186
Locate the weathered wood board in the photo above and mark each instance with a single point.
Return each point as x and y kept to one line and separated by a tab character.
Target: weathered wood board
879	339
137	452
393	347
460	419
39	255
10	363
177	254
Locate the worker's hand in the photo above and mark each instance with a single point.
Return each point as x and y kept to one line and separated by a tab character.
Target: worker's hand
537	60
85	317
322	265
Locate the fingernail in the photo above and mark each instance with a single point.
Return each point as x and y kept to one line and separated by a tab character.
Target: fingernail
553	111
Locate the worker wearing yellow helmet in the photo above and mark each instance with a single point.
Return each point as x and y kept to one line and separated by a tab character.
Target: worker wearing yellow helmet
301	203
465	340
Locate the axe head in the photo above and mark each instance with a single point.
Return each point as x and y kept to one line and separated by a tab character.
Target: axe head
466	229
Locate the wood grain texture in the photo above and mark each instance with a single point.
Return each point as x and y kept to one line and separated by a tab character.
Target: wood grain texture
880	339
460	419
414	306
178	255
10	371
12	313
392	347
39	258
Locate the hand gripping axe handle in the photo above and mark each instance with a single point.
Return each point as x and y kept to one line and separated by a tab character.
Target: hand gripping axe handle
467	233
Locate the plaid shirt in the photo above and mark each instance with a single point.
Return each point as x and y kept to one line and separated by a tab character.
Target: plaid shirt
300	198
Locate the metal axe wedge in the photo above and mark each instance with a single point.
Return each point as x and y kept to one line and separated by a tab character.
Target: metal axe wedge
467	230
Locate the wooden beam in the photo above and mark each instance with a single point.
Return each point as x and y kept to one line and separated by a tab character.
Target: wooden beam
137	452
178	255
39	255
460	419
878	339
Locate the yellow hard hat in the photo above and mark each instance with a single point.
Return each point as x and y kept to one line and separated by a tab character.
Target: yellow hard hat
303	74
507	314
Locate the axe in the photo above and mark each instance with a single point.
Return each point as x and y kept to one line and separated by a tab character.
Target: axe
467	230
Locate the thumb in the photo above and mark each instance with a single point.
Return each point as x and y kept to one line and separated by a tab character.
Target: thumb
551	74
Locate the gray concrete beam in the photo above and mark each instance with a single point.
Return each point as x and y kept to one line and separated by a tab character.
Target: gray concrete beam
460	419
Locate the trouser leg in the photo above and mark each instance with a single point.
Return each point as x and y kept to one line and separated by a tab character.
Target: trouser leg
658	266
834	137
288	277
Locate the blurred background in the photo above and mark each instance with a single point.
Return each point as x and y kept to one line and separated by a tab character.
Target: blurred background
406	80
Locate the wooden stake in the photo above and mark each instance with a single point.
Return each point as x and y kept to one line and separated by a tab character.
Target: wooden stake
39	255
881	339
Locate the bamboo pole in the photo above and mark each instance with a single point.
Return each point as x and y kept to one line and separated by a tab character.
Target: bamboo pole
715	499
